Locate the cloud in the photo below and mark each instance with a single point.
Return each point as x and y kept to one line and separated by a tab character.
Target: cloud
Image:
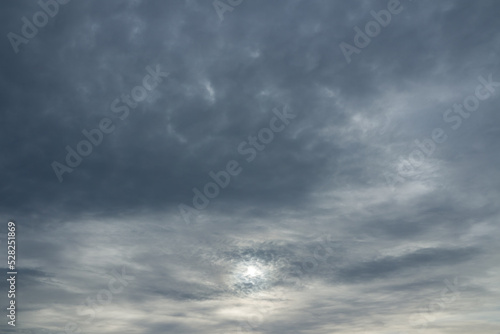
309	236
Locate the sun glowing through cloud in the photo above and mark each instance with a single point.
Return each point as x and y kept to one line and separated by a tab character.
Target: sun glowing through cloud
253	271
251	276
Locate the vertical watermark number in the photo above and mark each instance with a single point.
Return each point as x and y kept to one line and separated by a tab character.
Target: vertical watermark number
11	273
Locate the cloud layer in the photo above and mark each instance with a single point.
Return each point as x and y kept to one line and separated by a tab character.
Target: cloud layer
336	225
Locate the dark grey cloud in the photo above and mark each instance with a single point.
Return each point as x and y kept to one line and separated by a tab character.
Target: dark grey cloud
309	236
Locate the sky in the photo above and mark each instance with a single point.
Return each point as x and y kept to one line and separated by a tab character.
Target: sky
251	166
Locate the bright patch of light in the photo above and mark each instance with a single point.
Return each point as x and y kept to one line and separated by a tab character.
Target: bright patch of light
253	271
250	276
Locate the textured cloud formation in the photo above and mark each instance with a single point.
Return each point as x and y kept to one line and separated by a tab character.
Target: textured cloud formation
372	210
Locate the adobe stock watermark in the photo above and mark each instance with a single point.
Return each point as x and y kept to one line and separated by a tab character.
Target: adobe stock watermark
103	297
407	168
249	149
121	106
427	313
29	29
221	6
372	29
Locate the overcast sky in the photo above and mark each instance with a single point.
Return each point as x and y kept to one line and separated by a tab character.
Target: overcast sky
252	166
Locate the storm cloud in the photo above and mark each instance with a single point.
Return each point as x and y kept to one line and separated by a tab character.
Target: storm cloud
158	185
